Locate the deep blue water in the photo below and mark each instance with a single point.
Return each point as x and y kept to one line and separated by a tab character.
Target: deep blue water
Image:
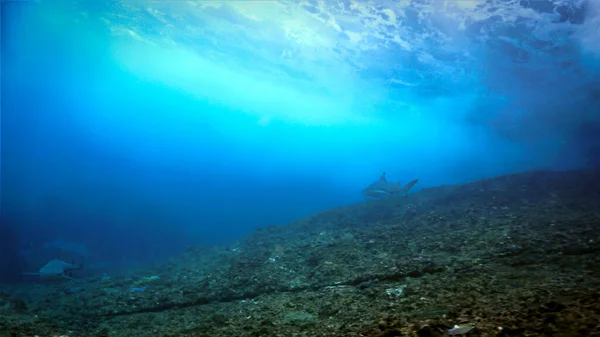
140	129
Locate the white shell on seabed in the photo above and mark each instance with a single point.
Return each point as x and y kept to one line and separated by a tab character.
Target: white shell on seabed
461	329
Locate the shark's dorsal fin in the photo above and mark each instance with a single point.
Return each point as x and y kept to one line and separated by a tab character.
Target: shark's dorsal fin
382	178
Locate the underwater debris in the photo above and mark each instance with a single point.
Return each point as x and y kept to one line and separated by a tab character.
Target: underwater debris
397	291
146	279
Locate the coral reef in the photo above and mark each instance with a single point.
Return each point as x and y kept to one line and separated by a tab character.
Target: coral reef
517	255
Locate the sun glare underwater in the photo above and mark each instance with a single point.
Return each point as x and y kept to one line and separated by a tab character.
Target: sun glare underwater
138	128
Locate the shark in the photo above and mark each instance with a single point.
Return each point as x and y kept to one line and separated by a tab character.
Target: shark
69	247
383	188
55	269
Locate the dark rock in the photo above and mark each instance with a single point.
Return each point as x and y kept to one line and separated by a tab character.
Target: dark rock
427	331
391	333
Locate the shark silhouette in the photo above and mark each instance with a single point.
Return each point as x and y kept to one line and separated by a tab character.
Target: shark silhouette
68	247
383	188
55	269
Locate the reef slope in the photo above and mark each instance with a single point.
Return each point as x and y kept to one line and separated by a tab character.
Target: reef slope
516	255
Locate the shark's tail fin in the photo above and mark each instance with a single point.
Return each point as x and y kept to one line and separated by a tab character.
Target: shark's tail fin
409	186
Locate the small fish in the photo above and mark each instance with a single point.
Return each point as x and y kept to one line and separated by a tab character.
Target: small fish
461	329
139	289
383	188
73	289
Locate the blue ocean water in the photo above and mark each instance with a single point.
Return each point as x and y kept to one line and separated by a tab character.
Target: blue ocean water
136	129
